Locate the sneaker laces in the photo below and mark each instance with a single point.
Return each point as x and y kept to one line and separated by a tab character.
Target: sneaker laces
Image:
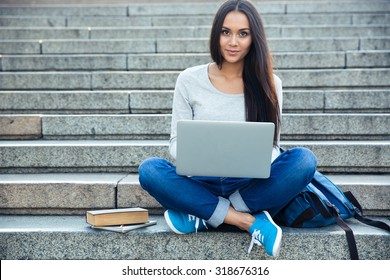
257	238
197	222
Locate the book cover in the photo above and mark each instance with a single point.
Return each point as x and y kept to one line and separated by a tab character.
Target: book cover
126	228
116	217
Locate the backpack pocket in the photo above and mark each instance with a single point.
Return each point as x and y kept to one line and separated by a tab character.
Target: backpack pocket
305	210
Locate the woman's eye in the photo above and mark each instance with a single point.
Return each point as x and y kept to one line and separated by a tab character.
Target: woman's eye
243	34
225	32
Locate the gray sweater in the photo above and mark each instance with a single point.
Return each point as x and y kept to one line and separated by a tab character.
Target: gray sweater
196	98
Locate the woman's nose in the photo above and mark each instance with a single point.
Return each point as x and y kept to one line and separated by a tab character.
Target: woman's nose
233	40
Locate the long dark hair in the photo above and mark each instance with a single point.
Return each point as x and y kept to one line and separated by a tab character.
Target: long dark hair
261	101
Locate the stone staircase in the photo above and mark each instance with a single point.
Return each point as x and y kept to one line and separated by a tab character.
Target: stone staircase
85	96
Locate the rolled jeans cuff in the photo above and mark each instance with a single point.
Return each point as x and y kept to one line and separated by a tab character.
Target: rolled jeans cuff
238	203
220	212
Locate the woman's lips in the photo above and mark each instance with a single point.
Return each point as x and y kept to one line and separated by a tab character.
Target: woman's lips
232	52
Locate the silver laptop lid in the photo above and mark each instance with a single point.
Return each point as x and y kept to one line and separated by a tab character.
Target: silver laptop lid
224	148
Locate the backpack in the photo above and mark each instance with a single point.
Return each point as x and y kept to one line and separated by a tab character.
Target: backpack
322	203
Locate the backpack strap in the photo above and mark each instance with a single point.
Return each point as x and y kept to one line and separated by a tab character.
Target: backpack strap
348	234
359	214
306	215
334	213
309	213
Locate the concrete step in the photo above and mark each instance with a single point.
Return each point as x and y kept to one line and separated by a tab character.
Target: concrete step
368	100
72	193
78	156
20	127
35	21
330	7
27	237
190	20
114	46
266	7
126	80
45	156
335	126
41	33
188	9
187	45
350	59
64	10
69	193
153	126
333	78
336	101
134	126
87	80
304	31
64	62
73	102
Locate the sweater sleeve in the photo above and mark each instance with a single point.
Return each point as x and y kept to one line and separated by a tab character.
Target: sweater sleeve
181	110
279	92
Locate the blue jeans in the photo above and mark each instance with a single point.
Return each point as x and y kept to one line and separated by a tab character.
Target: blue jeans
209	198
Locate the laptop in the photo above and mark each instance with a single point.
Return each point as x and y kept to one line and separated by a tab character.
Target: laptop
224	148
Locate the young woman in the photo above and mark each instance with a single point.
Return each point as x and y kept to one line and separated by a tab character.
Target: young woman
239	86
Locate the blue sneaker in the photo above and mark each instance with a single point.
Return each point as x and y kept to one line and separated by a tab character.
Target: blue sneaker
266	233
181	223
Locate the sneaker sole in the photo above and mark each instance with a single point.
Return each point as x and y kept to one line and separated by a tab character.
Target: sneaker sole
278	239
170	225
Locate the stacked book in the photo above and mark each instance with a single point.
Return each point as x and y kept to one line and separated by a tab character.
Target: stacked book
119	220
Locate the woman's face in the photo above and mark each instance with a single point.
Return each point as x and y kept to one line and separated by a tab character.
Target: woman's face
235	40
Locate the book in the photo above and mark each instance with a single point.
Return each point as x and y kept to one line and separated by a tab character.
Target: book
117	217
126	228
